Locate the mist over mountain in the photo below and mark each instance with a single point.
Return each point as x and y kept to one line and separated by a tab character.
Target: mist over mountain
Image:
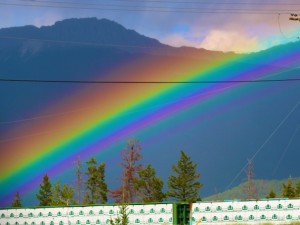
221	141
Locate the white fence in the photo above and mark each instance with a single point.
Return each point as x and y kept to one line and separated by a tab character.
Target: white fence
246	212
89	215
228	212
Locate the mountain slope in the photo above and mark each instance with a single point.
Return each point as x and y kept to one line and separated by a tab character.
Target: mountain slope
263	188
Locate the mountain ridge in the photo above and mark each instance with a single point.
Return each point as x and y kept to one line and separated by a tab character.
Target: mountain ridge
98	33
263	189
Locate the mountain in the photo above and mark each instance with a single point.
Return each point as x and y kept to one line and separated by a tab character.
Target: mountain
44	126
263	188
87	32
90	30
76	49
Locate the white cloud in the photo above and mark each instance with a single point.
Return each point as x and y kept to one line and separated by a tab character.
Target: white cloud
216	40
225	41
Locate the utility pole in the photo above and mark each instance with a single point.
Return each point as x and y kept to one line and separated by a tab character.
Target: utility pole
250	188
295	17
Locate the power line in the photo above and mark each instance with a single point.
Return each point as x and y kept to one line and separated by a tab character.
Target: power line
40	117
147	82
201	2
158	7
266	141
280	29
218	11
78	42
81	109
286	149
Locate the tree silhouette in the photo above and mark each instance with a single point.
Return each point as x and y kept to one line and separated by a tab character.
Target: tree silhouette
96	184
184	185
130	156
45	193
288	189
17	201
148	186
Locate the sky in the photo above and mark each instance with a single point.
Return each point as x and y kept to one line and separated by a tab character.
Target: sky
231	25
244	118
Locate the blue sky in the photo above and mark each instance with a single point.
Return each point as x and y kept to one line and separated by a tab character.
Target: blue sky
231	25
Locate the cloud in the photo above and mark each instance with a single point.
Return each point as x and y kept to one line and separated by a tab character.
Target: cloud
216	40
178	40
220	40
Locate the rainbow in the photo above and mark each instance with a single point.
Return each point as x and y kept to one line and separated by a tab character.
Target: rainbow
94	117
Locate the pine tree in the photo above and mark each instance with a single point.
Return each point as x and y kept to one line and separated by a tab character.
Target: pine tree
17	201
148	186
130	156
91	183
62	196
96	185
45	193
288	190
297	189
67	194
184	185
272	194
102	186
56	195
87	199
123	217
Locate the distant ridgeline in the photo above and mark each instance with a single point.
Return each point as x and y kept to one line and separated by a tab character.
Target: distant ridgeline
275	211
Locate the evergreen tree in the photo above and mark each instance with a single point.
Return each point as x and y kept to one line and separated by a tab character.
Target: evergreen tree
123	217
17	201
148	186
62	197
87	199
96	182
288	190
91	183
272	194
184	185
56	195
45	194
297	189
67	194
102	186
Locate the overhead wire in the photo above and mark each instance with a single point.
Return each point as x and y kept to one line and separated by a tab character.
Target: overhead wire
281	32
232	11
286	149
78	42
216	11
40	117
82	109
147	82
265	142
201	2
67	112
158	7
